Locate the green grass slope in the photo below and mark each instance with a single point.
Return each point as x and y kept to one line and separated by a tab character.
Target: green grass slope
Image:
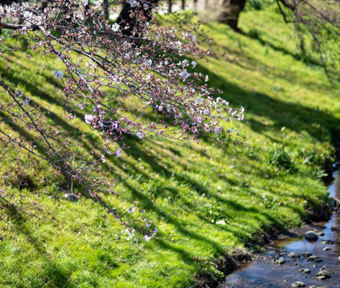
205	199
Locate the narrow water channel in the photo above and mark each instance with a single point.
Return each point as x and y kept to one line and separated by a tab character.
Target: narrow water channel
266	272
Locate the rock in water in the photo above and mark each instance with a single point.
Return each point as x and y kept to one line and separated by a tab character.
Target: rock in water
326	249
306	254
293	255
298	284
323	274
280	261
312	236
305	271
314	258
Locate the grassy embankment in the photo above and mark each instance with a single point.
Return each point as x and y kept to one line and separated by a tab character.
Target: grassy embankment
204	199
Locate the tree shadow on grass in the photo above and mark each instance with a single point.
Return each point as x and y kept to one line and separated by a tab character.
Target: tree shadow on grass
53	275
293	116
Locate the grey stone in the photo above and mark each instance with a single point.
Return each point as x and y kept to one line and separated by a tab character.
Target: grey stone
305	271
306	254
310	235
326	249
339	258
280	261
298	284
293	255
327	242
323	274
314	258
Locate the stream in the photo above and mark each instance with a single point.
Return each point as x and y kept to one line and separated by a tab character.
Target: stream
277	268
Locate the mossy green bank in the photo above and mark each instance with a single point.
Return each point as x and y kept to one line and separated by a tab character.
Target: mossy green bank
205	199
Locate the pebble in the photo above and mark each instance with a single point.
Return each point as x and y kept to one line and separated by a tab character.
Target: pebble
305	271
323	274
327	242
280	261
339	258
314	258
334	229
306	254
326	249
310	235
293	255
298	284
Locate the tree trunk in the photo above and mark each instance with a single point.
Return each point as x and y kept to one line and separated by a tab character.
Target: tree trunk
106	9
169	6
44	5
130	24
183	4
231	12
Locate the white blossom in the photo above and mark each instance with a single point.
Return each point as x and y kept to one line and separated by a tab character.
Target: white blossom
133	3
217	130
58	74
184	74
98	4
148	63
119	152
148	224
115	27
88	118
193	63
131	209
26	101
185	62
130	230
28	15
18	93
147	237
140	134
199	100
2	11
206	78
